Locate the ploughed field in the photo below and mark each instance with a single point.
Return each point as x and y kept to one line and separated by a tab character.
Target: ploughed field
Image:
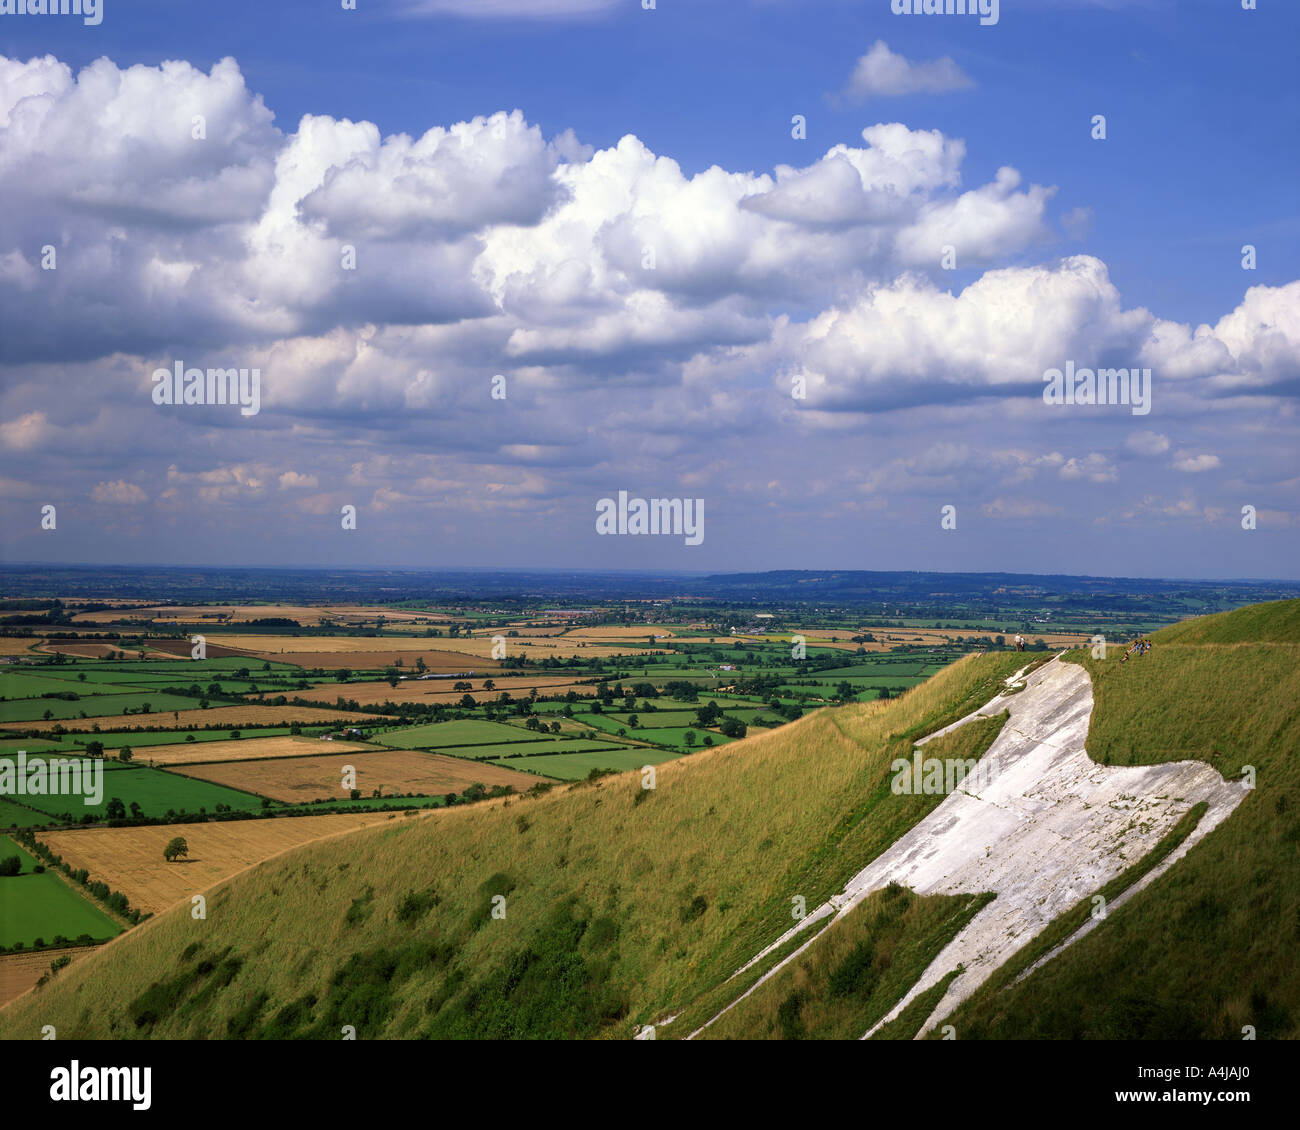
296	780
253	714
20	971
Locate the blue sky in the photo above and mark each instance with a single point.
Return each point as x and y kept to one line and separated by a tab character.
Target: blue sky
1202	103
681	387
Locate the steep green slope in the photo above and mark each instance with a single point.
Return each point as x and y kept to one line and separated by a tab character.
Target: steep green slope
619	904
1275	622
856	973
1213	946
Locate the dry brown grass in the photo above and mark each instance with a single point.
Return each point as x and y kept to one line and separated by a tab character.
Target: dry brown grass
301	779
130	860
248	749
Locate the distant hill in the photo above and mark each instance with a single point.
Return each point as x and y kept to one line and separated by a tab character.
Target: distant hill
984	592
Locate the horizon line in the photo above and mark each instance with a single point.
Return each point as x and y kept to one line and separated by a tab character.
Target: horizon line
662	573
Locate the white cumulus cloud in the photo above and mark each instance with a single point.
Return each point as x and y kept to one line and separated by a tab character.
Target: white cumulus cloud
886	73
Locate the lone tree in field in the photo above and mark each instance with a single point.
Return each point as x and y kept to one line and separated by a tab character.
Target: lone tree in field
176	847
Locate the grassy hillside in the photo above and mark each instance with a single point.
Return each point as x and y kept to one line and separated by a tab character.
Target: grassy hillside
621	904
1213	945
855	974
594	908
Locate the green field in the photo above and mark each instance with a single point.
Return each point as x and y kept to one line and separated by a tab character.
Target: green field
895	667
17	816
154	790
682	719
41	906
175	676
9	746
656	719
606	722
520	750
677	737
93	705
15	685
575	766
163	668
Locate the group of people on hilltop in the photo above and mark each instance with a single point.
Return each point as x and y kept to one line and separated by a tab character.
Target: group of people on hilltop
1140	647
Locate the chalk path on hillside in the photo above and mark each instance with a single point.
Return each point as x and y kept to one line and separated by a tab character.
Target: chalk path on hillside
1048	827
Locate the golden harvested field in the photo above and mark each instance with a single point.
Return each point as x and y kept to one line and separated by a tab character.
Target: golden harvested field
302	779
439	690
130	860
20	971
249	749
232	717
15	645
